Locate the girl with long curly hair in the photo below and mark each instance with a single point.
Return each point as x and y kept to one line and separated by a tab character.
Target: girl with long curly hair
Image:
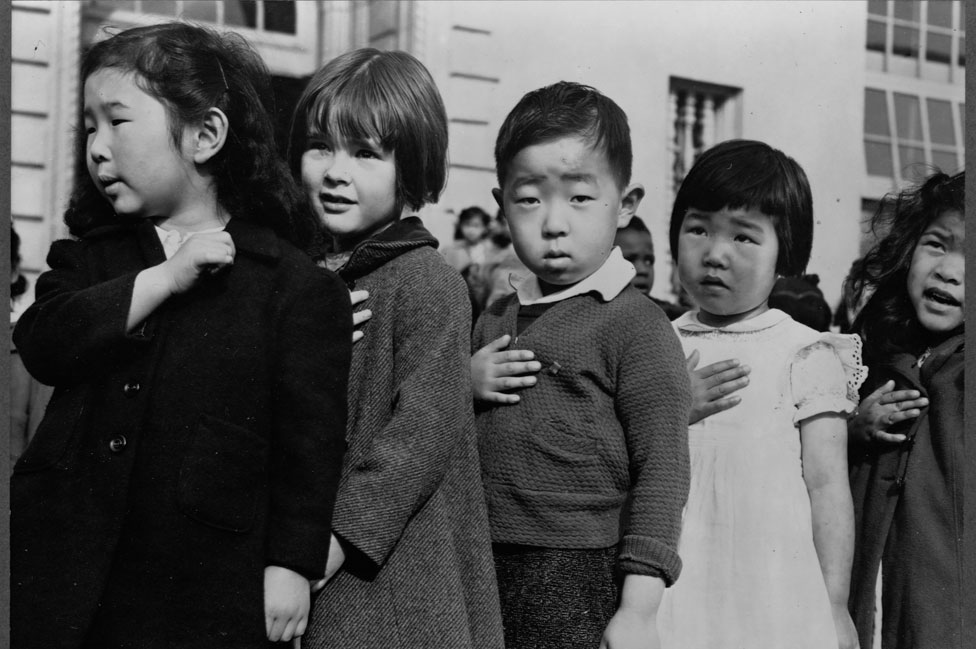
907	436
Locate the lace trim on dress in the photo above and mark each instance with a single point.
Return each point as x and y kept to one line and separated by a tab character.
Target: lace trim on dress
848	349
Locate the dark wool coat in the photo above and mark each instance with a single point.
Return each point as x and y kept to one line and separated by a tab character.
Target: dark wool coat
176	461
411	511
908	503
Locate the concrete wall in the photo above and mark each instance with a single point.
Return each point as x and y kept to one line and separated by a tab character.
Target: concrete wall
800	66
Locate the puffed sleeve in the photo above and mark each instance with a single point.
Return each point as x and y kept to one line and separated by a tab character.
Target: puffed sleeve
825	376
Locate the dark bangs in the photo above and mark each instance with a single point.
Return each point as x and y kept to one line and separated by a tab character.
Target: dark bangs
339	112
387	97
743	174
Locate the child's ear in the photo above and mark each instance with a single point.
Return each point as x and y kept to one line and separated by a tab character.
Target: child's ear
497	194
631	199
209	136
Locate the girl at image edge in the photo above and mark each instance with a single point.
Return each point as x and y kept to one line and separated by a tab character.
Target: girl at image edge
179	490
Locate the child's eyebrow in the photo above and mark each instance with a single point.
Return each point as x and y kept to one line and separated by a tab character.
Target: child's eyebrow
522	181
108	105
939	231
579	177
746	224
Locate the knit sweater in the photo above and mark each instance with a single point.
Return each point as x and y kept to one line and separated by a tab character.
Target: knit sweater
596	453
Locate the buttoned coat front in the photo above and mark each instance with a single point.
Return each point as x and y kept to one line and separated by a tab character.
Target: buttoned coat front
177	460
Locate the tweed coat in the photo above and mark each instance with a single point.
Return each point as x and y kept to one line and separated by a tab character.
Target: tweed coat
178	460
411	512
908	507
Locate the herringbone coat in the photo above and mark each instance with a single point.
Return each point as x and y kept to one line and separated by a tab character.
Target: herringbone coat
411	511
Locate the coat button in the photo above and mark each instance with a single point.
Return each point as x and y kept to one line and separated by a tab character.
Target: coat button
117	444
131	389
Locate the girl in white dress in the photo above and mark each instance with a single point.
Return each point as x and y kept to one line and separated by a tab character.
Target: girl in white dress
767	536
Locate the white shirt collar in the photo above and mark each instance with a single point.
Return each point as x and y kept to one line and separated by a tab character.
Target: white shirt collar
608	281
173	239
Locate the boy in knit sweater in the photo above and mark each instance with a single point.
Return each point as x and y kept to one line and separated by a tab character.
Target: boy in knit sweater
586	473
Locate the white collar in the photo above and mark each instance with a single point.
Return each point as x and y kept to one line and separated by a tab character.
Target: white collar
608	281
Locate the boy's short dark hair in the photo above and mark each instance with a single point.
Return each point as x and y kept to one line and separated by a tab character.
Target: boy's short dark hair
635	224
566	109
745	174
803	300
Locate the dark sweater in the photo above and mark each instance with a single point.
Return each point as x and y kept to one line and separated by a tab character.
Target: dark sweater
596	452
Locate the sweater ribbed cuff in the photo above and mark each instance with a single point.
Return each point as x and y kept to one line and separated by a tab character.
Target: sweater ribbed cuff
643	555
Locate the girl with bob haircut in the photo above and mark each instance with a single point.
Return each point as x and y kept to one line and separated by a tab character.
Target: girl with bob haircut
767	536
410	563
907	439
744	173
179	490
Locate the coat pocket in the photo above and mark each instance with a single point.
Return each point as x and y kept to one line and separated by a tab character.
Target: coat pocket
223	475
59	433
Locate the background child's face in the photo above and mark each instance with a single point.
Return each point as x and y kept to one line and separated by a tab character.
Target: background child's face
351	186
638	249
937	275
473	229
130	151
563	207
727	262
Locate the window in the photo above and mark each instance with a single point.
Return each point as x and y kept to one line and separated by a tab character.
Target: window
903	131
702	114
277	16
921	39
285	32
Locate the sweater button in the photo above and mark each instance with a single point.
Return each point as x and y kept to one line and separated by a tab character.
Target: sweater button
131	389
117	444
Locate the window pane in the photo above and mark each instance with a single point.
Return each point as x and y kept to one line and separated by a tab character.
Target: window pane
907	10
279	17
941	130
938	48
878	7
878	158
910	155
875	113
962	117
962	52
905	41
200	10
117	5
908	119
161	7
940	13
240	13
962	16
876	36
946	161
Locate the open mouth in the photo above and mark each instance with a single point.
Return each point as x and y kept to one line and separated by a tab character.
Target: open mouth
941	297
333	198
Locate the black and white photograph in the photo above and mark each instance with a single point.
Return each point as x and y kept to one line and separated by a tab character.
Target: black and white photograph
488	324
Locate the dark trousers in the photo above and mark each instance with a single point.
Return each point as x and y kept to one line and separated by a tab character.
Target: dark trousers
554	598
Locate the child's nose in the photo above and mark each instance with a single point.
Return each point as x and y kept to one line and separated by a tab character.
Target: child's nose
98	147
952	268
338	169
555	223
716	254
